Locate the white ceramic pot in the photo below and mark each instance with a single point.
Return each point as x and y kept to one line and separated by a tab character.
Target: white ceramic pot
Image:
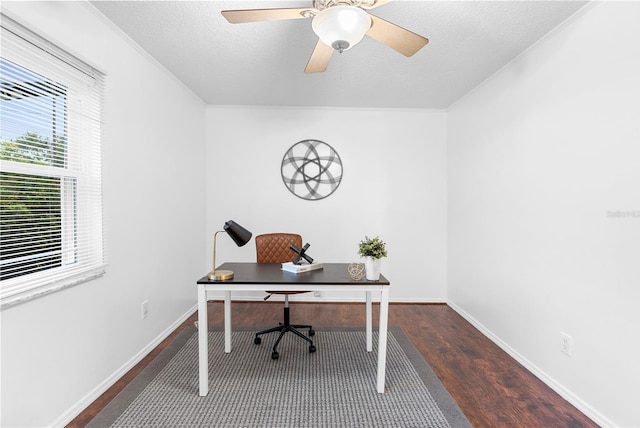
372	268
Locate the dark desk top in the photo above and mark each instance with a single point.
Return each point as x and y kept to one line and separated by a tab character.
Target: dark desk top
271	273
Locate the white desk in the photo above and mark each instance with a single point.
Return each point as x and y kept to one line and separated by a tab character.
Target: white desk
269	276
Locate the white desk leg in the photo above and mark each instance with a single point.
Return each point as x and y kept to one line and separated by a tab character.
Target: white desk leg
203	342
227	321
369	323
382	337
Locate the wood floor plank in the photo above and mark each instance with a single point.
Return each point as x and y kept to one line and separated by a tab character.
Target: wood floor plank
490	387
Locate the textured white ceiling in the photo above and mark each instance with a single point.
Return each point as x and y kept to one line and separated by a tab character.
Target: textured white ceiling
263	63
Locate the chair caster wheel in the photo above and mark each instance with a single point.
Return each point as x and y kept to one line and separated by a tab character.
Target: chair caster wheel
312	349
257	340
312	332
274	355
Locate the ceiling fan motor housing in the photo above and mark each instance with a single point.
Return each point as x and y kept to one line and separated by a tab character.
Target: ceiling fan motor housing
365	4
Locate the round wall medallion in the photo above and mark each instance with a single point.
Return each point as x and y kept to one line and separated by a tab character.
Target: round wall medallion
311	170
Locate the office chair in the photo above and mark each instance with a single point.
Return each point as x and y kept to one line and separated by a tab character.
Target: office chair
274	248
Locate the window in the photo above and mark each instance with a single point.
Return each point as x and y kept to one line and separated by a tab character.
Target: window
50	167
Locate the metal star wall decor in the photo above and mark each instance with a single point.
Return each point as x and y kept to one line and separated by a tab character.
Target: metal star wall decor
311	170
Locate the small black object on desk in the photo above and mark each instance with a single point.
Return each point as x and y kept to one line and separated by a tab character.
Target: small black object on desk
301	254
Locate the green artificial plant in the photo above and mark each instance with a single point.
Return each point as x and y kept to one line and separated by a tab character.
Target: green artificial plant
372	247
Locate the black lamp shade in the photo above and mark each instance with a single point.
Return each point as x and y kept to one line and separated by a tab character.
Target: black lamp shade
239	234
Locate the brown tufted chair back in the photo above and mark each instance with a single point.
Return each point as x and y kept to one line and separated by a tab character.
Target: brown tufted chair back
274	247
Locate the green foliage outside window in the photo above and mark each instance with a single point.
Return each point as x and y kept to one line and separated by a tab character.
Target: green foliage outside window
30	207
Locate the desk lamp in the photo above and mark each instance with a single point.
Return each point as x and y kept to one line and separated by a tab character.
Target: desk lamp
240	236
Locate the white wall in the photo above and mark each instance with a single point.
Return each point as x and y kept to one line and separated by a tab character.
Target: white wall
538	156
60	351
394	186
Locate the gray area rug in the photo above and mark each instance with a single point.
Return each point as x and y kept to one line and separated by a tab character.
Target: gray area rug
333	387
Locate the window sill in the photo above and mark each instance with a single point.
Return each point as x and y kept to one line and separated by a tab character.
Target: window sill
44	290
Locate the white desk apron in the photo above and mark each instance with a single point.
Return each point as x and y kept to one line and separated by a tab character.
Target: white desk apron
381	289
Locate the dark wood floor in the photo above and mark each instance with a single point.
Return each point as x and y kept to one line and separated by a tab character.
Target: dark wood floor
491	388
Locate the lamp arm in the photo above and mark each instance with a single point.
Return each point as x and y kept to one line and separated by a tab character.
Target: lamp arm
215	236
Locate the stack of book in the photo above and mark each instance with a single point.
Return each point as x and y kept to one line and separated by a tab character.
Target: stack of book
290	267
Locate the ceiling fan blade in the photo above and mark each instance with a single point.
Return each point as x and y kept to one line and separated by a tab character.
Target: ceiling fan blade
256	15
319	58
396	37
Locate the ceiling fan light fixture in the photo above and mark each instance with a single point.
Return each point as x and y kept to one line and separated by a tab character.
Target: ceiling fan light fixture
341	27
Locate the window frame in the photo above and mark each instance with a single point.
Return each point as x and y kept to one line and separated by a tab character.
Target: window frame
80	176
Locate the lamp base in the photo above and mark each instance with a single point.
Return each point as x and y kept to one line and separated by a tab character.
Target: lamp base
220	275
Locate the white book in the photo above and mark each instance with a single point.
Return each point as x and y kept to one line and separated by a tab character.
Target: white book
290	267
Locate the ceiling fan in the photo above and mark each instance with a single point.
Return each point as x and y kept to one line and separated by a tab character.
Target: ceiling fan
340	25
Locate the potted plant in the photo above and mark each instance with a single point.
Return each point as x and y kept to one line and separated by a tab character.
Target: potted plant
373	250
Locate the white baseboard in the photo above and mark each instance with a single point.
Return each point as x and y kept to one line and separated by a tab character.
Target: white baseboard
83	403
564	392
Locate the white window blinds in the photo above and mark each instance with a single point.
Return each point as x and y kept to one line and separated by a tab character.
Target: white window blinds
50	167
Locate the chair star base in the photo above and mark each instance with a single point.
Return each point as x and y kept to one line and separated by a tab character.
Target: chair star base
284	328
